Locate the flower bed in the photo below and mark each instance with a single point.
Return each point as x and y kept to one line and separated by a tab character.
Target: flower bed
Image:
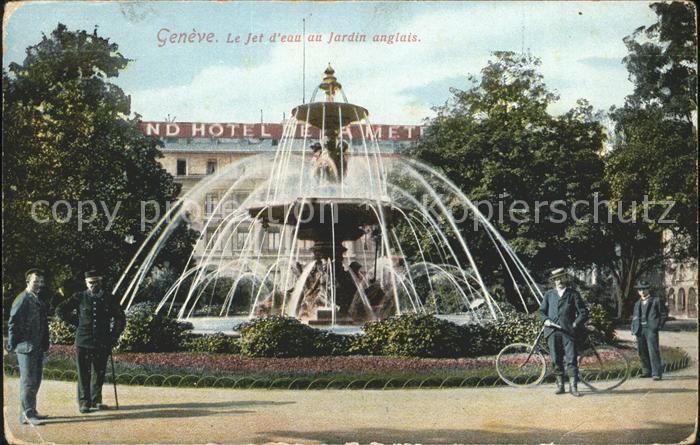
237	364
351	372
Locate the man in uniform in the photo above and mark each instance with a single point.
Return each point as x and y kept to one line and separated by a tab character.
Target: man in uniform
100	322
564	307
28	336
649	316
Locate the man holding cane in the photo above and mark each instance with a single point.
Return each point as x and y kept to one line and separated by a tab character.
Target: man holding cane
100	322
564	312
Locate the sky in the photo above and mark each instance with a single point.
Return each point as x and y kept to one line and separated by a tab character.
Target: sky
579	43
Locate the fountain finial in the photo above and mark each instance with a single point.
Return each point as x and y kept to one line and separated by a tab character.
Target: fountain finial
330	84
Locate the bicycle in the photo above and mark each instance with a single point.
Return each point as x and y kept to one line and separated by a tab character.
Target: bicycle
601	367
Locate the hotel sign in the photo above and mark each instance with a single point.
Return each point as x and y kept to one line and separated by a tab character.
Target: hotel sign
231	130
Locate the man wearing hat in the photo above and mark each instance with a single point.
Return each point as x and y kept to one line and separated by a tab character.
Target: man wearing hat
648	317
564	313
28	336
100	321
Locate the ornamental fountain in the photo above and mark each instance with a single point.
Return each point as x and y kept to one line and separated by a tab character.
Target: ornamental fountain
318	197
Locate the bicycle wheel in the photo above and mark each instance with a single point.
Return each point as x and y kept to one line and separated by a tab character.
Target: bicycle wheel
518	366
603	368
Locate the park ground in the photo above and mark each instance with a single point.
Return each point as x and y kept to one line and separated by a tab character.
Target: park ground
640	411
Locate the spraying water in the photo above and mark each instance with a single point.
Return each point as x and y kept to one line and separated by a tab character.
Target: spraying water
310	232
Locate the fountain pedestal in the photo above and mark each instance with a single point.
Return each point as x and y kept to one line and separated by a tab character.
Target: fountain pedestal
328	221
324	317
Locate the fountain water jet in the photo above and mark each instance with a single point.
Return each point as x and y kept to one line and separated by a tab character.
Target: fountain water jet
321	210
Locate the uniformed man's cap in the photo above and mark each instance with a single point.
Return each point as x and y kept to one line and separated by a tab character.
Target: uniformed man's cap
641	284
33	271
93	274
558	273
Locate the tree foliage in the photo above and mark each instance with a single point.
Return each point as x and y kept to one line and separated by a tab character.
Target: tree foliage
497	142
662	61
67	136
653	154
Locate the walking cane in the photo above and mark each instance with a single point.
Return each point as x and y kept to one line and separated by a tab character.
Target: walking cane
114	380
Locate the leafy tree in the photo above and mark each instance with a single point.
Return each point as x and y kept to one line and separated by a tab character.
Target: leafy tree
67	136
662	61
654	149
497	142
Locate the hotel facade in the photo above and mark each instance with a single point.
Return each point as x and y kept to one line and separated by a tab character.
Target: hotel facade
193	151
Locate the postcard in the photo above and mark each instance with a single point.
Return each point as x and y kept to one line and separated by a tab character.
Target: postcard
350	222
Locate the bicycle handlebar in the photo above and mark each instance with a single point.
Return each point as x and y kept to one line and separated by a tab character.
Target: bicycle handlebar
554	325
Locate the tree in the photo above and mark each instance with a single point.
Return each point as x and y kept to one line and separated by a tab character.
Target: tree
68	138
653	152
497	142
662	61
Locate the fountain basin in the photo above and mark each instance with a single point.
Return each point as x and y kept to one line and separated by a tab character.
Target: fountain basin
229	325
331	115
323	219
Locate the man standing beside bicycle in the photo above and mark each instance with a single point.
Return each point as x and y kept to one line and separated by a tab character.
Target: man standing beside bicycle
564	313
649	316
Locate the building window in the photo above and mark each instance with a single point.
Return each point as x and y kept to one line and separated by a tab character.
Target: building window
241	237
273	240
210	203
680	302
214	238
671	300
211	166
239	198
181	167
692	303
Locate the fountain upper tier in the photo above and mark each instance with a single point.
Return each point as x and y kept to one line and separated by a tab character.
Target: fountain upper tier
330	115
328	220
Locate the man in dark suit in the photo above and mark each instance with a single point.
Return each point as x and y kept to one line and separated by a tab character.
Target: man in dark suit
100	321
648	317
28	336
563	307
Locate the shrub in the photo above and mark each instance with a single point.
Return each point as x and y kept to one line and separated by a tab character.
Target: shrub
328	343
602	310
157	283
213	343
600	325
277	336
410	335
372	341
516	327
407	335
490	337
61	332
601	294
147	331
480	340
